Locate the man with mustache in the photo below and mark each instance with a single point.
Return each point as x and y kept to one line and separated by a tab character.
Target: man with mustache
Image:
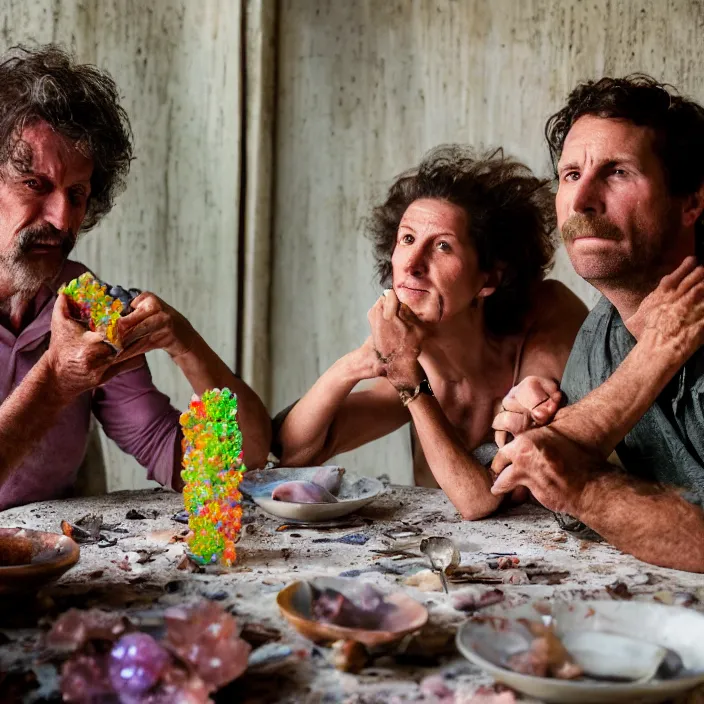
65	151
629	156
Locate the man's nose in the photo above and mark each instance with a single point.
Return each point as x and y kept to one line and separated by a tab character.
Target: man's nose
587	196
57	210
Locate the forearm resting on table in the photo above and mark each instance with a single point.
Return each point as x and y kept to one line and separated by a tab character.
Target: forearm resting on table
306	429
26	415
205	370
650	521
466	482
600	420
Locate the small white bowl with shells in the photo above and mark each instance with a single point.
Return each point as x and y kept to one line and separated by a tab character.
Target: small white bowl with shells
627	651
309	494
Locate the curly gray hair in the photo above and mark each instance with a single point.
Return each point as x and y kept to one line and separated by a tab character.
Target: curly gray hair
80	102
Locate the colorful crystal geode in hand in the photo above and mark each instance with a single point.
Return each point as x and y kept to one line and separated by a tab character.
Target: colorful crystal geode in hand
99	305
212	471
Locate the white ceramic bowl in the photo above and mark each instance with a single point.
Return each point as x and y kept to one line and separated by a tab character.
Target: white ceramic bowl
354	493
679	629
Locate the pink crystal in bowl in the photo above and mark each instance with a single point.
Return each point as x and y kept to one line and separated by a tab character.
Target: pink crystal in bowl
31	558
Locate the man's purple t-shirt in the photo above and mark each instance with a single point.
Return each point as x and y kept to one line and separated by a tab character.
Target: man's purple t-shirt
133	413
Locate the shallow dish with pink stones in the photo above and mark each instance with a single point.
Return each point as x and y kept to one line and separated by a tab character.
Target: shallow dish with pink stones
353	494
31	558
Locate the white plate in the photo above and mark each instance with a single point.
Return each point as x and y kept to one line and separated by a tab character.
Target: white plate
679	629
354	493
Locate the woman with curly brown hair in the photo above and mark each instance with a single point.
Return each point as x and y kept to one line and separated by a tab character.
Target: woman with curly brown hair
464	242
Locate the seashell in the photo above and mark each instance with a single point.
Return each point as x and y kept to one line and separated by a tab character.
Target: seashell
386	617
526	647
329	478
273	657
615	657
348	656
262	482
302	493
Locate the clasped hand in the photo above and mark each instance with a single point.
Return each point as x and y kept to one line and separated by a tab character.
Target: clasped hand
396	339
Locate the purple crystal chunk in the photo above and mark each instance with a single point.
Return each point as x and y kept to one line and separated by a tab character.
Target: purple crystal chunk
136	663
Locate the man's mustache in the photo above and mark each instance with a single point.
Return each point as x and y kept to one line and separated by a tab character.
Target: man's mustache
579	225
32	237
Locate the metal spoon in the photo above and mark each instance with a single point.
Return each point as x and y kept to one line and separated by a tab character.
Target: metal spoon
442	553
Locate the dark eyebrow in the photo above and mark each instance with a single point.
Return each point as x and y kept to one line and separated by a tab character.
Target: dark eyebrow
621	160
566	167
21	157
605	165
444	233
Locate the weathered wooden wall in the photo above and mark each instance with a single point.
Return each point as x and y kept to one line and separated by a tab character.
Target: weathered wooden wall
175	230
366	86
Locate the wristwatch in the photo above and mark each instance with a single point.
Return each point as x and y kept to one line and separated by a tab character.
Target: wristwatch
406	395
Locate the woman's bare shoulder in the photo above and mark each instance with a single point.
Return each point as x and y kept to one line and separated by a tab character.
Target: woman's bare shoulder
552	300
555	318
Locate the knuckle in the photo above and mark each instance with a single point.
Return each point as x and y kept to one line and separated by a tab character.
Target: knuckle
149	300
512	393
524	444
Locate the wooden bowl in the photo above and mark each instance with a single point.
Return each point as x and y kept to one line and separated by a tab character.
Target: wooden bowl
31	558
294	603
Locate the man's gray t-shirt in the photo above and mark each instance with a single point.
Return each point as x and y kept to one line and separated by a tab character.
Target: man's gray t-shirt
667	444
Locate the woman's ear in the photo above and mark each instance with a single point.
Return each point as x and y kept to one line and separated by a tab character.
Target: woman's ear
492	282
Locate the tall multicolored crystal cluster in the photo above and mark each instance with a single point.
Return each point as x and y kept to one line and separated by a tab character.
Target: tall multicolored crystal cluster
212	471
90	299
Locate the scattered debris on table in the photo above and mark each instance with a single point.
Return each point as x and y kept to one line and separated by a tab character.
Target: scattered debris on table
134	566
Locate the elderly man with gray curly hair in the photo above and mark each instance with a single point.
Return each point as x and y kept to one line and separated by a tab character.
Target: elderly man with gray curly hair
65	151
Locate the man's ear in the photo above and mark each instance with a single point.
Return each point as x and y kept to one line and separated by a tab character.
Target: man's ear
693	207
492	283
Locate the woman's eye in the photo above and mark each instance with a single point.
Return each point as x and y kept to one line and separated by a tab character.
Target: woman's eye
571	176
407	239
444	247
